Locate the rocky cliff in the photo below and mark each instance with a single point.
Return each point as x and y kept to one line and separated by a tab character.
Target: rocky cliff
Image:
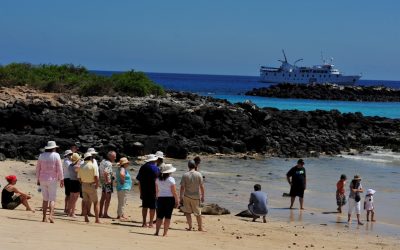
177	124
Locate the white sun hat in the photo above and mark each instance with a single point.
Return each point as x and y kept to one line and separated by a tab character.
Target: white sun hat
92	151
371	191
167	168
150	157
86	155
67	152
160	154
51	145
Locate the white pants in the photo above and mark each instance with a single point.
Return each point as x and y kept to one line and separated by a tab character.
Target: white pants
122	199
49	190
353	204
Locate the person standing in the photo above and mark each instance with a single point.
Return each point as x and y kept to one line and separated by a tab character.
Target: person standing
94	153
167	197
147	176
160	159
341	193
192	195
67	161
258	203
75	185
89	178
296	177
48	172
124	185
106	180
354	198
197	161
369	204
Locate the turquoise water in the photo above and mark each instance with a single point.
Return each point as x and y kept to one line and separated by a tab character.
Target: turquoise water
385	109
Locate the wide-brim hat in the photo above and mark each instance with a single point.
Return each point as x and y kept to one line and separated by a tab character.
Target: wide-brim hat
75	158
92	151
87	154
150	157
167	168
123	161
67	152
357	177
51	145
371	191
159	154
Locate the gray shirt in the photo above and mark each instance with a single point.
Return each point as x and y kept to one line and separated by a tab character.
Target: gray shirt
191	181
258	201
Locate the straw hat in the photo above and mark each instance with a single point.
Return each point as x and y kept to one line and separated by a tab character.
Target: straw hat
51	145
123	161
87	155
167	168
357	177
160	154
67	152
75	158
150	157
371	191
92	151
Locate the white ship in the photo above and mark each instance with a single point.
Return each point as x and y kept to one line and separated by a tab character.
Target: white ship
290	73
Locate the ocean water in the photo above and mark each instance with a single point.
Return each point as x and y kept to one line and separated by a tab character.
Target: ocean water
232	88
230	181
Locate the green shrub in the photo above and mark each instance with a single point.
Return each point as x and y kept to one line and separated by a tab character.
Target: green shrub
77	80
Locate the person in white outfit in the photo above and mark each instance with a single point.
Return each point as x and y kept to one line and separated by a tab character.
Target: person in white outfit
369	204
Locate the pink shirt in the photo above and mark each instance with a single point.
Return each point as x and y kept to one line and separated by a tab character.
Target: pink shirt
49	167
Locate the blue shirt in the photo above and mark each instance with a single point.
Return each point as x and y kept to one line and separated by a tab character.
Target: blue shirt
258	200
128	181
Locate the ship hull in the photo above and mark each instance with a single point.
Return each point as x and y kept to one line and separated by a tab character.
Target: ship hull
284	77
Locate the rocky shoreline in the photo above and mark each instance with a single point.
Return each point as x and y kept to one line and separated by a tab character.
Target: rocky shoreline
179	124
329	92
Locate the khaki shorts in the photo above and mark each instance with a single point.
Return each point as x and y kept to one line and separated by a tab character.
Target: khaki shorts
191	206
89	192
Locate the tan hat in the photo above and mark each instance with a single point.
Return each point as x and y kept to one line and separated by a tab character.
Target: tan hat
123	161
75	158
150	157
357	177
167	168
51	145
92	151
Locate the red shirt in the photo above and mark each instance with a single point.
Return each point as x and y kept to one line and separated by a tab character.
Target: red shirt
340	186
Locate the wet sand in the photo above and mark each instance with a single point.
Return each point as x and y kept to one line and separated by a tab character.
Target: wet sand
20	229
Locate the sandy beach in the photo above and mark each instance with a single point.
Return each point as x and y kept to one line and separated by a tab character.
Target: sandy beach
21	229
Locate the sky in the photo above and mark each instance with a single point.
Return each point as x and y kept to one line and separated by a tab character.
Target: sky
203	37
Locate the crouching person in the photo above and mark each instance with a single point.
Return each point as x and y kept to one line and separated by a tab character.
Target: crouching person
258	203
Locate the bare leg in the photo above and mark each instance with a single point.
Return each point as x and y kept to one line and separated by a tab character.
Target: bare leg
367	215
158	226
200	223
85	211
107	205
144	216
24	202
102	201
301	200
152	213
96	211
166	226
189	221
358	219
51	219
292	201
264	219
372	215
348	218
45	204
66	201
89	207
255	217
72	204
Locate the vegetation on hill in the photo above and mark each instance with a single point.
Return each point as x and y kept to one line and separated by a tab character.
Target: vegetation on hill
77	80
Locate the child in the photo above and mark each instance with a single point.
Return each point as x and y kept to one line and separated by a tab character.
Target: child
369	204
340	193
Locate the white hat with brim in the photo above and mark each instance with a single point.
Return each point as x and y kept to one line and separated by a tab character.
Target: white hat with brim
87	155
68	152
51	145
168	168
151	157
160	154
92	151
371	191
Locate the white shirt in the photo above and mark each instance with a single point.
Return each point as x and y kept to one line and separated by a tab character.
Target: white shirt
66	164
369	202
164	187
